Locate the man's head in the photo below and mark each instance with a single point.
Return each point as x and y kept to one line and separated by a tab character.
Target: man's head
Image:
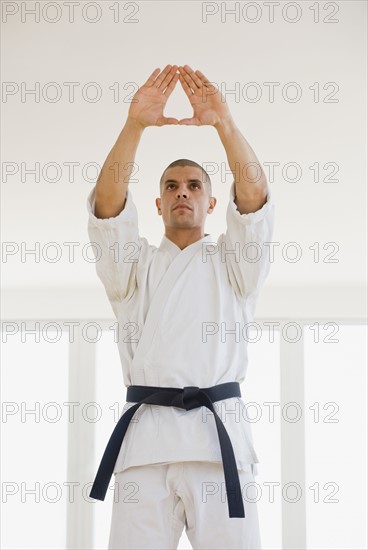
184	182
186	162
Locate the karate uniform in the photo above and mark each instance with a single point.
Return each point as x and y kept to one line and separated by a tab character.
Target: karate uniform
195	337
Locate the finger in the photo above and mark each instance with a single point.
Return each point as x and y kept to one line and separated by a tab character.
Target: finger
169	120
187	89
203	78
189	122
208	87
170	75
161	77
194	79
151	78
190	83
172	85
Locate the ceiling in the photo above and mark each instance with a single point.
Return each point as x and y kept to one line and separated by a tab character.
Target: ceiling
323	134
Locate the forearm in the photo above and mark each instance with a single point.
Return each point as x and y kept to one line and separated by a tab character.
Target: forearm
113	180
249	177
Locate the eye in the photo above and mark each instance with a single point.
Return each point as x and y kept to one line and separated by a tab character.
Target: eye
196	184
169	185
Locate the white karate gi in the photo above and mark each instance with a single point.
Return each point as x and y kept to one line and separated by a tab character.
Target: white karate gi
190	342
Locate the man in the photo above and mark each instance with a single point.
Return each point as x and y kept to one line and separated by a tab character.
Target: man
170	302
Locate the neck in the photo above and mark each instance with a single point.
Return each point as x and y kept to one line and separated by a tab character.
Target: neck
184	237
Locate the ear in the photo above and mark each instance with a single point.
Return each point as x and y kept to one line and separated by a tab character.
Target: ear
211	208
158	204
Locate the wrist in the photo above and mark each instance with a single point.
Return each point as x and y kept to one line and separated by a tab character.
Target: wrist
225	125
134	124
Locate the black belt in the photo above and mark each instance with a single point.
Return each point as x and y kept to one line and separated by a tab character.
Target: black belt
188	398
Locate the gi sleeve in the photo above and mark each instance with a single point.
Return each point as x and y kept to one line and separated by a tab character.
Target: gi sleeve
117	247
245	248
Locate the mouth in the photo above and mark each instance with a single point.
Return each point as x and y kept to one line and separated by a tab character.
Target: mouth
182	207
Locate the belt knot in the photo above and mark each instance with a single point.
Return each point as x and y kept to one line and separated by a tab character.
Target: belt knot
188	398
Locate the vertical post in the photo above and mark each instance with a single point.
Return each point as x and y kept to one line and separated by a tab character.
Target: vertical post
292	440
81	441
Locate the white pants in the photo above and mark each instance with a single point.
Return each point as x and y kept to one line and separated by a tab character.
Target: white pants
153	503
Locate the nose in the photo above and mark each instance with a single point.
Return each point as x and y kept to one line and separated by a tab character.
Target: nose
182	193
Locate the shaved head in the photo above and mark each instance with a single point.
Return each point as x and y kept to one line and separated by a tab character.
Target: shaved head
187	162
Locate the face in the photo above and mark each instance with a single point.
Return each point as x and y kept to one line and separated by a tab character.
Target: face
184	185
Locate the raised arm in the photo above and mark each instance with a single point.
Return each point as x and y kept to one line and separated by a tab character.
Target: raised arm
146	110
210	108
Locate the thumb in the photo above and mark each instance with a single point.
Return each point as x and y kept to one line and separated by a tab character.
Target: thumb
189	121
164	120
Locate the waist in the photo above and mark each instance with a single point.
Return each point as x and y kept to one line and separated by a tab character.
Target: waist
188	397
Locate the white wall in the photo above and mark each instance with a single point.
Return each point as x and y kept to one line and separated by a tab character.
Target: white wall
309	132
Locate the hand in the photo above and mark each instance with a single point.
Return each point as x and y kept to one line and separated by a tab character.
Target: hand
148	103
209	106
